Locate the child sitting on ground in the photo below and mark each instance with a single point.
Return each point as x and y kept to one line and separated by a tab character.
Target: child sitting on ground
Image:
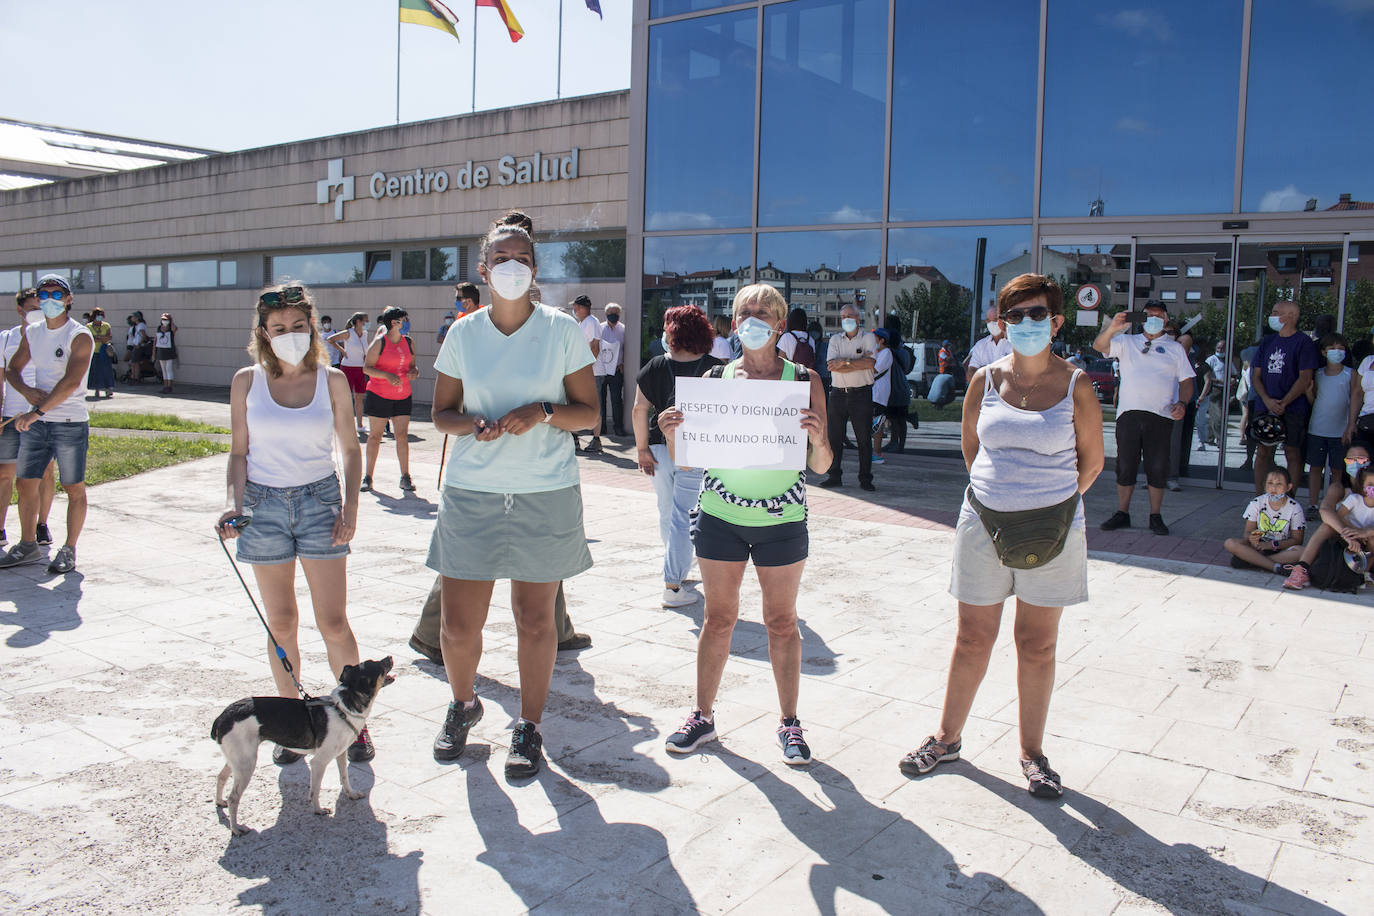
1352	519
1274	528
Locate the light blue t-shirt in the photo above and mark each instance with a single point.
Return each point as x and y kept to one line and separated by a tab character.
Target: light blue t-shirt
501	373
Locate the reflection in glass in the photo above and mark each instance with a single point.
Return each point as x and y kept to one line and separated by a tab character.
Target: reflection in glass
1305	147
824	271
443	264
1359	296
413	264
1140	108
931	280
122	276
192	274
154	276
9	281
320	268
584	259
378	266
704	270
228	273
699	148
964	147
675	7
824	92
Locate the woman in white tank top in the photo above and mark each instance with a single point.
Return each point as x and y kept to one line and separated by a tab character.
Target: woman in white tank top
289	411
1032	439
352	343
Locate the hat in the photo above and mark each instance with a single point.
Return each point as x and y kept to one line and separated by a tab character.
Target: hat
53	278
885	334
167	315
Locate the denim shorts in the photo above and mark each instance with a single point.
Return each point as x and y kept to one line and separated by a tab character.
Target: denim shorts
64	442
9	442
290	522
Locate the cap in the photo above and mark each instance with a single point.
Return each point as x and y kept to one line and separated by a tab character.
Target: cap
53	278
884	333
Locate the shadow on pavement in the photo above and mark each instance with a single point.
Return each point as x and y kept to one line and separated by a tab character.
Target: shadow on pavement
40	611
409	505
817	657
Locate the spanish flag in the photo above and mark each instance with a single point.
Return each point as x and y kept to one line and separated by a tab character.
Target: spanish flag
431	13
507	16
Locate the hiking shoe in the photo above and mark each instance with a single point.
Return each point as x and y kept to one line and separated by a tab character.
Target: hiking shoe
928	756
695	732
594	446
526	751
678	597
22	553
830	482
1298	577
1157	524
1119	519
361	750
64	561
432	653
44	535
1042	782
795	750
284	756
406	483
366	484
453	734
575	641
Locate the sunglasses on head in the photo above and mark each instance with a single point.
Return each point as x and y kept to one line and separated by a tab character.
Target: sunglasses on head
1034	313
290	295
51	294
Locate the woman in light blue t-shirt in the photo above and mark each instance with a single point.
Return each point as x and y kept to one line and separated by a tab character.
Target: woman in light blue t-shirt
513	380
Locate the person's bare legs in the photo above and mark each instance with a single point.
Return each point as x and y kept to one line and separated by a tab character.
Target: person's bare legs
277	586
358	410
779	585
973	643
328	581
28	508
464	604
6	489
76	510
1156	499
537	642
374	442
1242	549
400	427
720	582
1264	463
1037	634
1123	497
1293	455
47	489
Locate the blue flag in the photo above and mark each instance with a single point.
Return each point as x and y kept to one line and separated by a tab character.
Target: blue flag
595	7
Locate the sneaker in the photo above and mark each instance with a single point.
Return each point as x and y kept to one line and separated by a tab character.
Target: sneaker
22	553
830	482
1298	577
284	756
678	597
526	751
1119	519
577	444
64	561
433	653
44	535
1173	485
594	446
795	750
361	750
878	460
453	734
574	642
366	485
695	732
1042	782
1157	524
1312	513
928	756
406	483
3	540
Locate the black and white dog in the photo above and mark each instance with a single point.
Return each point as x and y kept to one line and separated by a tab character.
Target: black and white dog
323	727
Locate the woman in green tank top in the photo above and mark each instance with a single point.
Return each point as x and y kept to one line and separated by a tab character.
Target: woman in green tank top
746	514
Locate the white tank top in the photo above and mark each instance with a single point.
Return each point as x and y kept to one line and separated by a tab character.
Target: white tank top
14	402
289	446
355	349
49	353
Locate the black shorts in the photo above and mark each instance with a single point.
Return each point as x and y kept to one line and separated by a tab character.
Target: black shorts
769	545
1143	434
374	405
1294	429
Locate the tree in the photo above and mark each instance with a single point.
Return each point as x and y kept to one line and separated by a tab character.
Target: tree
595	258
934	312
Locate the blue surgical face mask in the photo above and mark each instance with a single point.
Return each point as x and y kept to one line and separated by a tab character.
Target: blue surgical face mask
849	325
52	308
1335	357
1031	337
1275	323
1153	325
405	326
754	334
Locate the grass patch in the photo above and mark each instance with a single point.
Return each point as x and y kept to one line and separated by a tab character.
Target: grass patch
117	457
157	422
929	413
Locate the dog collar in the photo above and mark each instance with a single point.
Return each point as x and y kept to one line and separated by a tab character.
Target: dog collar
344	713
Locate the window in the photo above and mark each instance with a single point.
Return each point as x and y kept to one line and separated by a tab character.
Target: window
582	260
155	276
1193	295
930	274
378	266
1319	259
673	263
1168	270
444	264
1222	267
192	274
9	281
228	273
413	265
322	268
1354	253
1286	262
1168	295
1221	292
1194	270
74	275
123	276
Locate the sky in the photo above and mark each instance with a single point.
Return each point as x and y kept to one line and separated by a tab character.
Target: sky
252	73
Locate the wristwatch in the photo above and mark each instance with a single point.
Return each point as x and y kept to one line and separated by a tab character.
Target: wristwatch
548	411
40	411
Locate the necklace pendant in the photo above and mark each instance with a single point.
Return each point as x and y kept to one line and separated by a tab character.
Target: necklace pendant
1023	402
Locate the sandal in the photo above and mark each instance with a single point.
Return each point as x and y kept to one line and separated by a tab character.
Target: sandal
1043	782
930	754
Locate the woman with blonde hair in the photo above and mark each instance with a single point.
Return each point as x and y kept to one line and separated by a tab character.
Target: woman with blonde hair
744	514
288	412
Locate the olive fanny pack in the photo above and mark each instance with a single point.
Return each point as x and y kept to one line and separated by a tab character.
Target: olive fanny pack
1030	538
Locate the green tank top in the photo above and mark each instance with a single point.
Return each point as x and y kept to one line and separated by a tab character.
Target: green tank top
754	484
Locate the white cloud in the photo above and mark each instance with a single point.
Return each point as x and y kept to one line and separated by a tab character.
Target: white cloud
1284	199
849	214
1142	24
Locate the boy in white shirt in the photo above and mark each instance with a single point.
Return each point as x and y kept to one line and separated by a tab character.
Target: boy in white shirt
1275	527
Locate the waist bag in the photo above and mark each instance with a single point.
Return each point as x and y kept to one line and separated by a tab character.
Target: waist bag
1030	538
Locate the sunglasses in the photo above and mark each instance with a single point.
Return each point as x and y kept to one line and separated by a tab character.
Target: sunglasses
290	295
51	294
1034	313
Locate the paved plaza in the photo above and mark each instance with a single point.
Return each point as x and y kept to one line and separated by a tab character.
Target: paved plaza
1215	733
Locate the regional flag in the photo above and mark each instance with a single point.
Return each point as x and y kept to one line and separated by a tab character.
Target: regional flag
595	7
431	13
507	16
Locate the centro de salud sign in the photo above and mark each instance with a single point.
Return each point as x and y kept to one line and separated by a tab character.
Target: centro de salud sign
507	170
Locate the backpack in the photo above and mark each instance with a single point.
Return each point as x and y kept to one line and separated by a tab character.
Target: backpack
804	354
1329	571
904	358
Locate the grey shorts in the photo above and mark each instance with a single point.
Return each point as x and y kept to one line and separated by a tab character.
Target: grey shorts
978	577
290	522
525	537
9	443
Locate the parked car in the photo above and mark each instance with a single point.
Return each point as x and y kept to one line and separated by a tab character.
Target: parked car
927	365
1105	378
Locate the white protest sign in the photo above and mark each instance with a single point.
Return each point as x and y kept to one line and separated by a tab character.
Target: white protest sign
741	423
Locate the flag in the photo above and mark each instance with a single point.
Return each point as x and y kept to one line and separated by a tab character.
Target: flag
507	16
595	7
431	13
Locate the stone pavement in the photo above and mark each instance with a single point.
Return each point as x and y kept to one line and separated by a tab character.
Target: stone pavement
1215	732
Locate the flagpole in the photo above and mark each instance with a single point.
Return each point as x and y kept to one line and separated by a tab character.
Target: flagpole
474	58
398	66
558	80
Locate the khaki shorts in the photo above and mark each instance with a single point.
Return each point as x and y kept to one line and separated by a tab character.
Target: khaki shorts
978	577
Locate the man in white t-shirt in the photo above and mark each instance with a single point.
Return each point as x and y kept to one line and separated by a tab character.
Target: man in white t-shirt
989	349
1156	383
12	403
591	333
609	368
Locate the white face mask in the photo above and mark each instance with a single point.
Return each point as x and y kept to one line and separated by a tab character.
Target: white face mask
994	328
33	317
291	347
849	325
510	279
